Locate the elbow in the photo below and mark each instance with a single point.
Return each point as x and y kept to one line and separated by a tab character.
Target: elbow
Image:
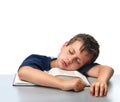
112	70
21	73
108	70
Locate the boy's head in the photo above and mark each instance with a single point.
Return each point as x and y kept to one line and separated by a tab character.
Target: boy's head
89	44
82	49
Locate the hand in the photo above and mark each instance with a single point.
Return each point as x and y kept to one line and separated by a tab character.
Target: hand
74	84
99	89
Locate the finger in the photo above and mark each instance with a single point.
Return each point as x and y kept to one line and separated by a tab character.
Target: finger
102	89
105	90
78	88
97	89
92	89
81	86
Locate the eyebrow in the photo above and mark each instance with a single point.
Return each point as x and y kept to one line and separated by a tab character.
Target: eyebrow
82	48
79	53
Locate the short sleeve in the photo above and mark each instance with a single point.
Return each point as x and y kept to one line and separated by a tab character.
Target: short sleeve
37	61
87	67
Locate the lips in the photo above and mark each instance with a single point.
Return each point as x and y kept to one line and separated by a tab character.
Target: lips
64	63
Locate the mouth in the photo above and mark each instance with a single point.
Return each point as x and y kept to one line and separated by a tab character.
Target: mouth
64	63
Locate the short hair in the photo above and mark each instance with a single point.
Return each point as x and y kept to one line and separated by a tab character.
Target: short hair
90	44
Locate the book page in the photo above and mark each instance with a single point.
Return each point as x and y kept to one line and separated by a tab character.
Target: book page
64	74
68	74
17	81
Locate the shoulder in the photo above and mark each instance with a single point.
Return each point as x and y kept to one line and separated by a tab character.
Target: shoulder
36	59
41	62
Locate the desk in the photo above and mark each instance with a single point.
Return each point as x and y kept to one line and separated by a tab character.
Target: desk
9	93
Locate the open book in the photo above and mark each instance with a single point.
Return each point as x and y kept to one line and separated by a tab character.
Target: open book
64	74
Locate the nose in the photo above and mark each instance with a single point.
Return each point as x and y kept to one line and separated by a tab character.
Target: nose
71	59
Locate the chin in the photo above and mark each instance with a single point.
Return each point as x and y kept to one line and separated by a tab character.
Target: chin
63	68
66	69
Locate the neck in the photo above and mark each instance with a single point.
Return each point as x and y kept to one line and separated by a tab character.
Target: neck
53	63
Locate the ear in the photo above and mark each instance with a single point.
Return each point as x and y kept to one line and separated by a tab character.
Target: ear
64	45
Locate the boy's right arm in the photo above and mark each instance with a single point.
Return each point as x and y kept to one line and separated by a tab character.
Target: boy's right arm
44	79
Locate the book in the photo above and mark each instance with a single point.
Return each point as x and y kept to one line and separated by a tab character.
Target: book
18	82
57	72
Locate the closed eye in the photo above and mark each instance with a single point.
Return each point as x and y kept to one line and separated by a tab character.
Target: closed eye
71	51
78	61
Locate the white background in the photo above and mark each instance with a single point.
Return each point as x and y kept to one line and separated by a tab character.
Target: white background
42	26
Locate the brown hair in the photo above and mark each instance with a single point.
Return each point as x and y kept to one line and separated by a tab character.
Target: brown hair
89	44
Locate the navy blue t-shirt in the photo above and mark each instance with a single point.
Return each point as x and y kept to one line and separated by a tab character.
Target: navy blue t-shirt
42	62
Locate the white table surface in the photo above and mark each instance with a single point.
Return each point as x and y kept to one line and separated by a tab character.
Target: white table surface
9	93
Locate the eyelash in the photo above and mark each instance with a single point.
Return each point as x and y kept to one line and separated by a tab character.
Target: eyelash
77	60
71	52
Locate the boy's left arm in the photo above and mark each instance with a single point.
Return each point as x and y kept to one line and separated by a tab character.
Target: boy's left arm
103	74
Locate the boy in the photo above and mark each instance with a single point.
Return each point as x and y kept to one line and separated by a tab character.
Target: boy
79	53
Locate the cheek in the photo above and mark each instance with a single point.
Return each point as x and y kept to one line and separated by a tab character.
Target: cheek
74	66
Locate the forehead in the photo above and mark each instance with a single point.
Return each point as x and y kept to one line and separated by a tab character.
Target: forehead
78	46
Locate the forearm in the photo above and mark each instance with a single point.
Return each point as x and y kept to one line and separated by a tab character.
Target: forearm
44	79
105	73
39	77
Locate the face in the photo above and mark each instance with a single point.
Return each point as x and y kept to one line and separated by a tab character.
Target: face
71	57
